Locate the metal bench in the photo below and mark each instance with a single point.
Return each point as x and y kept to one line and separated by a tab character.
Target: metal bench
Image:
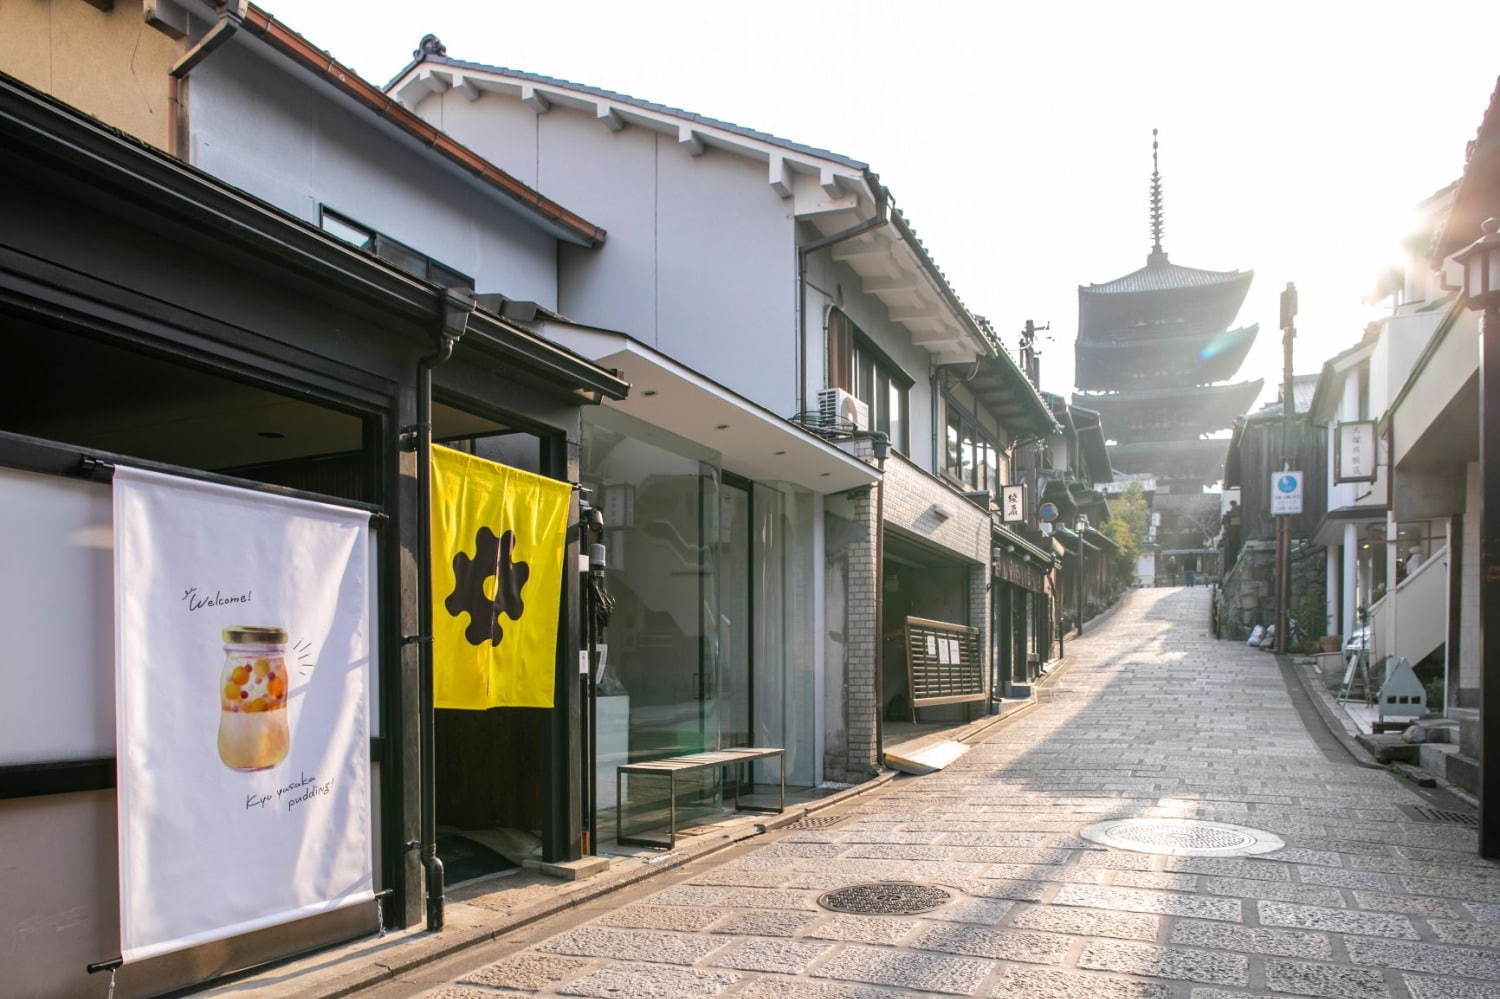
692	763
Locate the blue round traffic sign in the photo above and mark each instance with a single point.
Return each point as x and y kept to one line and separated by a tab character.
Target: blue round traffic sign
1048	512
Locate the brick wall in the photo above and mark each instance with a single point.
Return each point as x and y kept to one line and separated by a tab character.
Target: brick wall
910	499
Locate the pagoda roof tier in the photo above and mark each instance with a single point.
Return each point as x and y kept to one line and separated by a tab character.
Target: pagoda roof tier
1160	314
1160	274
1197	459
1170	414
1192	359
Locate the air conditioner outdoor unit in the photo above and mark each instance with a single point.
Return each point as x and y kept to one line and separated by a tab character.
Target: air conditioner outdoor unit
838	410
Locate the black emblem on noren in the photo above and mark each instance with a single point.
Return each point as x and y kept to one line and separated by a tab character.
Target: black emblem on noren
491	558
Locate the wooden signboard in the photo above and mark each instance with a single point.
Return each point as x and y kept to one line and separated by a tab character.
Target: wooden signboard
943	664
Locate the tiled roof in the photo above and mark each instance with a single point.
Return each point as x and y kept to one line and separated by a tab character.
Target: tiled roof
1165	276
1481	166
612	95
1303	389
321	64
1105	401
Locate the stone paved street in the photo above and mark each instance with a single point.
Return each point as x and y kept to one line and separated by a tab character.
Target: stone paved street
1152	718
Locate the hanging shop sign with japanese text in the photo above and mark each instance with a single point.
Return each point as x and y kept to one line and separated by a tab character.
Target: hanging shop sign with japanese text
1286	493
1357	452
1013	503
242	661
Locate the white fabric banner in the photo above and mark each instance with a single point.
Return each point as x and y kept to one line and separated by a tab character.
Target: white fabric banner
242	720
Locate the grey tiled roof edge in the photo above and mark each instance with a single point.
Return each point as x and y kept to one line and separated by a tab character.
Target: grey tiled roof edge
1166	277
583	88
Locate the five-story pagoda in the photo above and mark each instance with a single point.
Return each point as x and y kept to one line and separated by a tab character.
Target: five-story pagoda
1153	352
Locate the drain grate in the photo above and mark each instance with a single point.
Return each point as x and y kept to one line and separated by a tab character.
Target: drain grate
1426	813
1182	837
885	898
815	822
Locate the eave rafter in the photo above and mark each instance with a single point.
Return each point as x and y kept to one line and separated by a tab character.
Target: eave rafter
825	190
814	185
888	271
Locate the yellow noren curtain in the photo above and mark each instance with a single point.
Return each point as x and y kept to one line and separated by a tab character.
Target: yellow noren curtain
498	541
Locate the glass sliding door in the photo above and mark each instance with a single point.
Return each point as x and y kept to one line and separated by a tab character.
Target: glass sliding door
783	675
661	504
736	614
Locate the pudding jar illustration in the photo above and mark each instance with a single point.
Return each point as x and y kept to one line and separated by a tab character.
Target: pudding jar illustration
253	730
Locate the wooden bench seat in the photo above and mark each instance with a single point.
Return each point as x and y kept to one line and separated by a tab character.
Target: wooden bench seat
672	766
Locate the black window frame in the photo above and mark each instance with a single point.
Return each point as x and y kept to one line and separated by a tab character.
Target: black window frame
850	353
409	259
961	426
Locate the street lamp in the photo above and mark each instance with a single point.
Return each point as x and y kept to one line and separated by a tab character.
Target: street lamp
1481	263
1081	525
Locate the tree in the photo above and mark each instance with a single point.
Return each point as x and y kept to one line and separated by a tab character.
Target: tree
1126	527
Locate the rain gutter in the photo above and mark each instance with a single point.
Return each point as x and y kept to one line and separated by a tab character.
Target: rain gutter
881	217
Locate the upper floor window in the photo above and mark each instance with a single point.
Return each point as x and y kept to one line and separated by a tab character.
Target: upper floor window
970	452
418	265
862	369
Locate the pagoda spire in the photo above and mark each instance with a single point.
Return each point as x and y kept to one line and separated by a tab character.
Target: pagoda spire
1158	217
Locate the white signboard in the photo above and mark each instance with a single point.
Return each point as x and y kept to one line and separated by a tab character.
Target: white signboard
1013	503
55	541
1286	493
242	654
1356	452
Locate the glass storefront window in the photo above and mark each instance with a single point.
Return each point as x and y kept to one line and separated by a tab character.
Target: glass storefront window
710	636
1371	579
660	497
736	624
783	710
1416	542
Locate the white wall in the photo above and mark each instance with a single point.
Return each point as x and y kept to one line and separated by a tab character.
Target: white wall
700	258
1401	341
285	140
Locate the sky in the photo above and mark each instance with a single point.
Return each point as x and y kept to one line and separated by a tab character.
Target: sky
1296	138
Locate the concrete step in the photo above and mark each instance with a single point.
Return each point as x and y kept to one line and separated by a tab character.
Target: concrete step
1433	757
1390	747
911	758
1463	770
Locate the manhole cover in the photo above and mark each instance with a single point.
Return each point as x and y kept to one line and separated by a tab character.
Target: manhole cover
1183	837
885	898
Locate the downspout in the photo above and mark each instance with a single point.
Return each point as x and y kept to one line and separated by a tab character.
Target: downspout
458	306
223	29
880	619
881	217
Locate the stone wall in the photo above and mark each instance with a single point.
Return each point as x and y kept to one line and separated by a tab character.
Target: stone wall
1247	595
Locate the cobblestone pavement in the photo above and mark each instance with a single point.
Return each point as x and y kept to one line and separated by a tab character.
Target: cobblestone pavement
1153	718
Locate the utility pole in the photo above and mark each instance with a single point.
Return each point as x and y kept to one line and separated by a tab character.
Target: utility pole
1481	264
1288	415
